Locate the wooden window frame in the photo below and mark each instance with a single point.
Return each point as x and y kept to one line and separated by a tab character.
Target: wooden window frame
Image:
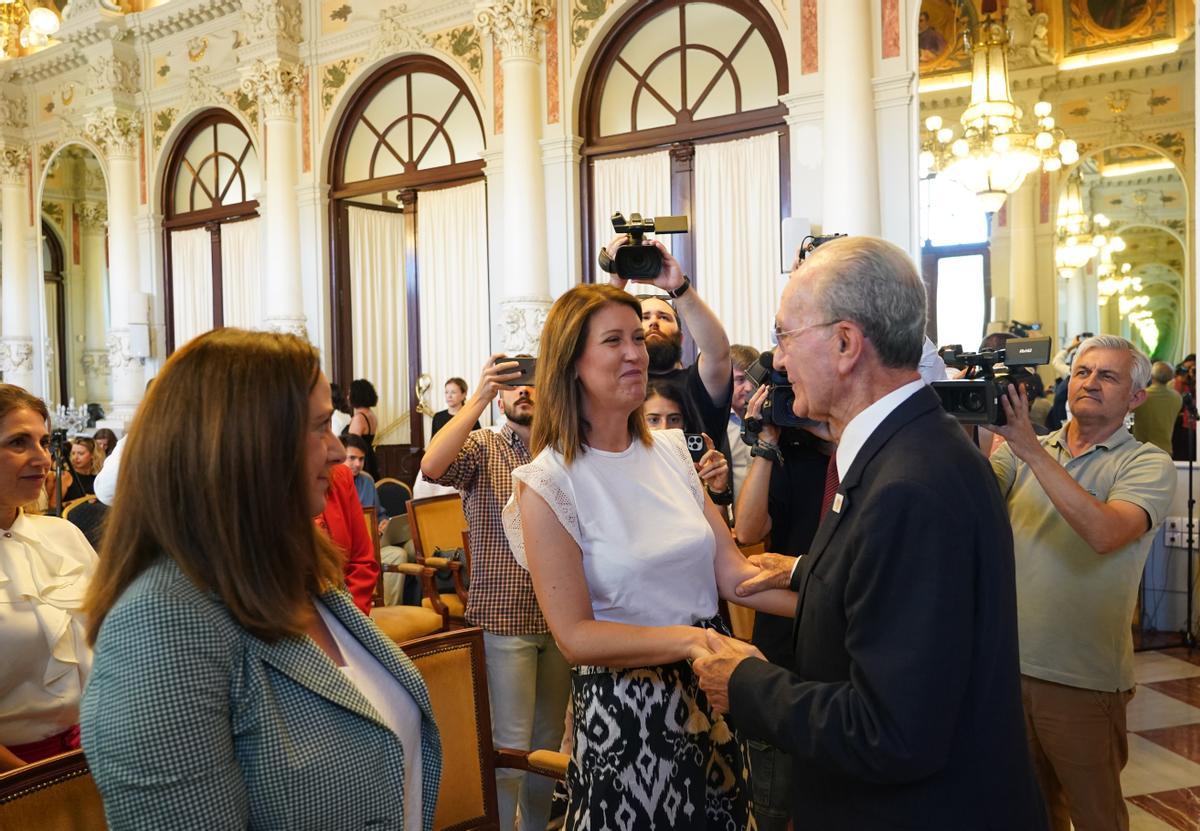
211	219
54	277
930	255
402	458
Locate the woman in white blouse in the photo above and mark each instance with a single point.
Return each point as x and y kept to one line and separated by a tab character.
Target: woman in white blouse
45	566
628	557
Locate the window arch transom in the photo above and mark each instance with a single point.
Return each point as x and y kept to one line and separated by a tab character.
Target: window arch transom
215	167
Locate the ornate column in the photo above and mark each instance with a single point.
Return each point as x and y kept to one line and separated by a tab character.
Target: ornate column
1022	263
850	168
515	27
93	216
276	83
117	132
17	283
1076	315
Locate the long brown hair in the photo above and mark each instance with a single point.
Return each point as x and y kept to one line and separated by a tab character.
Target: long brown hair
94	448
212	476
559	423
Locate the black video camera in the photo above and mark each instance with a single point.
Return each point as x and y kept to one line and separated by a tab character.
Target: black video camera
777	409
60	448
976	399
634	259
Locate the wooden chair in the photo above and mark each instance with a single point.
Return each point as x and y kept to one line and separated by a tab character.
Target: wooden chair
56	794
400	623
393	495
87	514
454	671
438	523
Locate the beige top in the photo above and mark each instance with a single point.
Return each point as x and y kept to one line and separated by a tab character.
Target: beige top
45	566
1074	605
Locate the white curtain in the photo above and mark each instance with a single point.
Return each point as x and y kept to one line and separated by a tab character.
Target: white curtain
452	241
379	320
628	184
736	229
241	273
191	283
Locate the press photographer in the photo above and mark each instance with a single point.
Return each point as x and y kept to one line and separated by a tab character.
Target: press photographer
707	385
975	398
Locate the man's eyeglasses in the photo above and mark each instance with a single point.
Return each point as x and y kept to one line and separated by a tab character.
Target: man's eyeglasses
778	336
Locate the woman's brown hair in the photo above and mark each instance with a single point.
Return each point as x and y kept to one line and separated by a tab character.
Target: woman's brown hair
559	423
212	477
13	398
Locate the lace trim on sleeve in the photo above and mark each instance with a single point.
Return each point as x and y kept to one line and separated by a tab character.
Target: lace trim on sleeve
546	482
678	453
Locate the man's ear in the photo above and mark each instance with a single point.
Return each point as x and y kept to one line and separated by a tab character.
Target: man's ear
1136	399
851	344
500	404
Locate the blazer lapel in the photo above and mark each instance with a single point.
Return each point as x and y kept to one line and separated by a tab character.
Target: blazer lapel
914	406
303	661
380	646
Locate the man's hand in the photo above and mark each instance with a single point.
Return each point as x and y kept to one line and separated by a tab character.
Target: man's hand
670	276
1018	430
713	467
714	671
769	432
774	572
616	242
495	377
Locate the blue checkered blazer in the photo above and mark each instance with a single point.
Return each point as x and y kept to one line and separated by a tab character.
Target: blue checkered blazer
190	722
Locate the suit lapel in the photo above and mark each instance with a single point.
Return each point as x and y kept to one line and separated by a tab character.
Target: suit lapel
911	408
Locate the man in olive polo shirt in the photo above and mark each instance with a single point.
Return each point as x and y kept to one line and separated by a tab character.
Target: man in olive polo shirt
1084	502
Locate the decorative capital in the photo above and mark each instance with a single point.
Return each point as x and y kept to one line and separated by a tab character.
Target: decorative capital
272	20
522	319
95	363
394	37
14	112
93	215
108	73
276	85
288	326
14	164
515	25
120	358
16	355
115	131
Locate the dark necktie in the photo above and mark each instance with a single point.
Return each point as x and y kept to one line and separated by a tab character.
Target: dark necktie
831	485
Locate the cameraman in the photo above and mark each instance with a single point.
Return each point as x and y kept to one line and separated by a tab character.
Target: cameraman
708	383
782	496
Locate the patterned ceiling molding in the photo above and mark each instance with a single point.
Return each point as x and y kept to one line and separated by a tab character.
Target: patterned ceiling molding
394	36
108	73
168	19
515	25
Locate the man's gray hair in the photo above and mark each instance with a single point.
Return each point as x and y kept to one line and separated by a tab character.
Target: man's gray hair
1141	364
1162	372
873	283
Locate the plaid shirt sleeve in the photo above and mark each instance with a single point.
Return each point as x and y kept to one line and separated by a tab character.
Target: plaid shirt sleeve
464	470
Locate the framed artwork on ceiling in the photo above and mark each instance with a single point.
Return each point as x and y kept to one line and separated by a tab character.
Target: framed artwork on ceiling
1104	24
940	35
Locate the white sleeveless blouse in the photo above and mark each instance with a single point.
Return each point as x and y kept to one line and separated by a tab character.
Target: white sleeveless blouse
638	517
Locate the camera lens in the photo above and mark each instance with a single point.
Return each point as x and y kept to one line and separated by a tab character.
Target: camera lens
973	402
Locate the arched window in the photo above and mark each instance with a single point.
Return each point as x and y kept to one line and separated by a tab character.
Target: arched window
54	263
409	271
211	229
681	115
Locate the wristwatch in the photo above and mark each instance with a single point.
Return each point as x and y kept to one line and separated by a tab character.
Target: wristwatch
681	289
767	451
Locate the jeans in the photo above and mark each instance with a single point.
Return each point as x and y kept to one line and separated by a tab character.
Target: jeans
528	683
771	781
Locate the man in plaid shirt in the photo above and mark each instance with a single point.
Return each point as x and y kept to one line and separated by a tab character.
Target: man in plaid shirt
528	679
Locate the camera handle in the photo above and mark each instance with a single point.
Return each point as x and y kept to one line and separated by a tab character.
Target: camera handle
60	466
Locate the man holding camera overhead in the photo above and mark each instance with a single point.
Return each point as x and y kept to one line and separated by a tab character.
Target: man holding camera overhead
528	678
1084	502
708	383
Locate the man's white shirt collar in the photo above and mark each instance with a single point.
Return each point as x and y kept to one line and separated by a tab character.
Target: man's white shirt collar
865	423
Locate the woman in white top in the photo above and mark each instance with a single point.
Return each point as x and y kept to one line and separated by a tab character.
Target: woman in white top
628	557
45	566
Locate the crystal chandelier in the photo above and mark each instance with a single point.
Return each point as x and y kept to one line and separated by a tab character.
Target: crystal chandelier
25	24
995	153
1081	237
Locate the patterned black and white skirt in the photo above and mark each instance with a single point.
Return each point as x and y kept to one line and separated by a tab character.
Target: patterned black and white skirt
649	753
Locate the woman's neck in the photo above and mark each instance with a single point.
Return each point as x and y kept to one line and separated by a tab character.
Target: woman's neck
8	515
452	409
607	431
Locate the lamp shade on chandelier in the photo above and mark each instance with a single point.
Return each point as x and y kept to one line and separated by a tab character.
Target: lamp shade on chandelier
995	153
25	24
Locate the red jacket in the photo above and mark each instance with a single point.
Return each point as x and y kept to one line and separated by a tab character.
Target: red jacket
343	520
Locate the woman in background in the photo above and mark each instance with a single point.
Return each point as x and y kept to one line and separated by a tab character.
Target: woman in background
235	684
45	566
456	393
86	459
665	411
363	422
106	440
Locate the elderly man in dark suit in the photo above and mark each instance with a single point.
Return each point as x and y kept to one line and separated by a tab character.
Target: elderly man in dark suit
903	708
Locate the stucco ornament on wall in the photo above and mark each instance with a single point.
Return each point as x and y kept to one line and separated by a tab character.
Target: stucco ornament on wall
276	86
116	131
394	37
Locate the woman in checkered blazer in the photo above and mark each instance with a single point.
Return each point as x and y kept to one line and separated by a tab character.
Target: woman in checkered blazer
235	683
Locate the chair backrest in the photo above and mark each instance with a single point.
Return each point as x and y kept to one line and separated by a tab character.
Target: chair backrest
454	671
87	514
436	522
56	794
370	517
393	495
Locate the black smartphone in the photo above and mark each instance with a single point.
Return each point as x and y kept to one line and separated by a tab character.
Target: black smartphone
695	445
528	367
